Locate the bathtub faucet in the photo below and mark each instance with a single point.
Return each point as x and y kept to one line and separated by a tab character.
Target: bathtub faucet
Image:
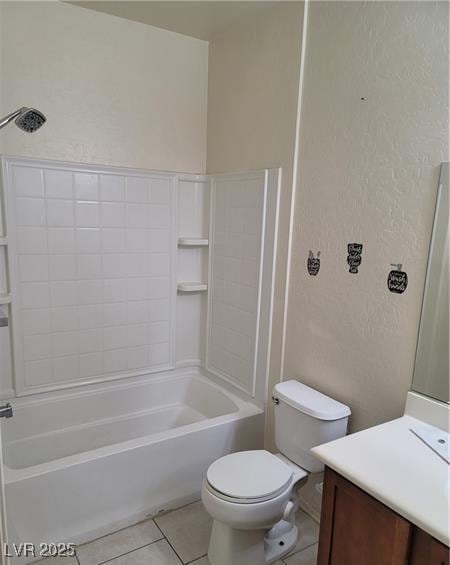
6	411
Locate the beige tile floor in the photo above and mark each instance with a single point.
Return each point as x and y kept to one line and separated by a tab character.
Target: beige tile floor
179	537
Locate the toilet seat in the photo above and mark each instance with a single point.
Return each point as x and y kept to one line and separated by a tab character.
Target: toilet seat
248	477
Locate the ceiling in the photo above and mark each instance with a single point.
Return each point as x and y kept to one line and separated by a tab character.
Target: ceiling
201	19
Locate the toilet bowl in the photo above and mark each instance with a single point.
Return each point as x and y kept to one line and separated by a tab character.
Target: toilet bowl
252	495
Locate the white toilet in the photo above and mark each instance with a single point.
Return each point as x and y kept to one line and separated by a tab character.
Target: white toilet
251	495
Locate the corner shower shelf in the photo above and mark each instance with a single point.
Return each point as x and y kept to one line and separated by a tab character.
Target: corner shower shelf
192	287
5	299
192	242
3	241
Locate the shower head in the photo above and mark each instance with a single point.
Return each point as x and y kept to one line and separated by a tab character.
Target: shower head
30	120
27	119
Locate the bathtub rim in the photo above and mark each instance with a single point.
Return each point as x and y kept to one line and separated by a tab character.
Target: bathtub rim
125	382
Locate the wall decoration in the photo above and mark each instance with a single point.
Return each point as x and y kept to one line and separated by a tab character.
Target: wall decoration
354	256
397	279
313	263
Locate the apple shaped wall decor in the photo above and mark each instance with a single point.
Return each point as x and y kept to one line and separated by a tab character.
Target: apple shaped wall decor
313	263
397	280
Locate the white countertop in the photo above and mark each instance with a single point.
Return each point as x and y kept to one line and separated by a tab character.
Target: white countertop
394	466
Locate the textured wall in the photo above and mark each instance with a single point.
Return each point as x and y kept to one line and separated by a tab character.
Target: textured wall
252	108
373	134
115	92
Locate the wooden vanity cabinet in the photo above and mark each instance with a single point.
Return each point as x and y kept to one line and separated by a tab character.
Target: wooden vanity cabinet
356	529
426	550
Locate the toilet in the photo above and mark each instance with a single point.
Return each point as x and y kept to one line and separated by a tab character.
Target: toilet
252	495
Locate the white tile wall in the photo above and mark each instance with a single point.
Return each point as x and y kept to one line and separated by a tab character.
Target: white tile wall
238	213
92	261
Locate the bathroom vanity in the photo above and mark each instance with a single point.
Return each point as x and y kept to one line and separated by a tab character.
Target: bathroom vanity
354	523
385	499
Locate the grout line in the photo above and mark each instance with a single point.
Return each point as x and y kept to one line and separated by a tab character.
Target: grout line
120	530
131	551
298	552
196	559
163	537
169	511
173	549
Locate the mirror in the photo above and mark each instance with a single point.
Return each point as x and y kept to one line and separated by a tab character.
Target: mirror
431	372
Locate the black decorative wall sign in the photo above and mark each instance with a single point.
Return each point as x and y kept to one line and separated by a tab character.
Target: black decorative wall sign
313	263
354	256
397	279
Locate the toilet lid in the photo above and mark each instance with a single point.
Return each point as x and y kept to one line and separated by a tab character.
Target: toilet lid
249	475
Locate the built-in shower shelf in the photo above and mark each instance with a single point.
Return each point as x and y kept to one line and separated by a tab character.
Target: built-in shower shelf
3	241
192	287
192	242
5	299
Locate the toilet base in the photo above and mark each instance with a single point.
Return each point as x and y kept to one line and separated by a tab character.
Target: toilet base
279	540
229	546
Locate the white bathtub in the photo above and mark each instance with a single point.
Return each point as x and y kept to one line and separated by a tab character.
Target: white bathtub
81	464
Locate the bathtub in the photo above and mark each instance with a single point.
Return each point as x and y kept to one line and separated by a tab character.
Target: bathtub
81	464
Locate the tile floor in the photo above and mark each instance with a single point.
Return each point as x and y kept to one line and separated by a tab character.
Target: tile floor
179	537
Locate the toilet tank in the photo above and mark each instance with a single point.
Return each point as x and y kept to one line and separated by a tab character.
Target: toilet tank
305	418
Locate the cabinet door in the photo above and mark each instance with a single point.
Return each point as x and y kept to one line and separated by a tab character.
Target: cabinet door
425	550
356	529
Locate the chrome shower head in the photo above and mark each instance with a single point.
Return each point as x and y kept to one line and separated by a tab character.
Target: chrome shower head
30	120
27	119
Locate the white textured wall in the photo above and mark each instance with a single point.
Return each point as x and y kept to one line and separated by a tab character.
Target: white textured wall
252	107
115	92
368	173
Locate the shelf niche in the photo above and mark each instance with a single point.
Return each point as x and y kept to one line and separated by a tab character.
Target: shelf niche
187	287
192	242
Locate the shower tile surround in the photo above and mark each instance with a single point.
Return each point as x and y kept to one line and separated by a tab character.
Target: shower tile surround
237	220
243	236
94	272
94	265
